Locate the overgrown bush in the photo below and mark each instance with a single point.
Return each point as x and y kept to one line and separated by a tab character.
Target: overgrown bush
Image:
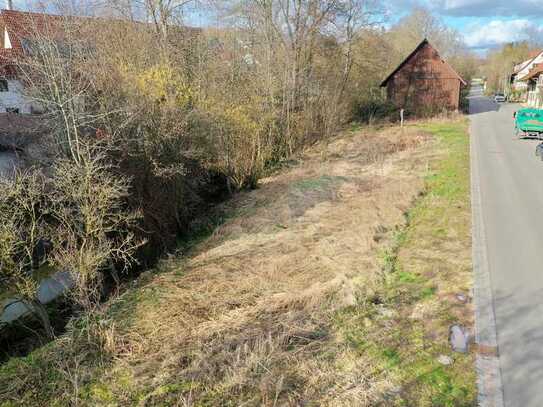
92	227
187	114
371	110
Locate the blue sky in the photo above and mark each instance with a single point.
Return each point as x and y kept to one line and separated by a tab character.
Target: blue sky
485	24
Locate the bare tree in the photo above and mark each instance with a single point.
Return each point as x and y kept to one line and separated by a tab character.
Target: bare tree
93	229
407	33
23	209
54	54
91	224
500	63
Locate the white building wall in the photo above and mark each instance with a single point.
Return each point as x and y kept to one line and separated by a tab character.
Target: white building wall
535	97
522	86
14	98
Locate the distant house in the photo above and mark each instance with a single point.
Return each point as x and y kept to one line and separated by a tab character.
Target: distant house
534	86
17	29
527	80
520	79
424	82
20	31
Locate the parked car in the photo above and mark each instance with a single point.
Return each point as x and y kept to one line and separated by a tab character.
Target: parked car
499	98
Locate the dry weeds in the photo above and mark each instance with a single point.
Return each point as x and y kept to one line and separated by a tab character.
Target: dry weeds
249	320
246	318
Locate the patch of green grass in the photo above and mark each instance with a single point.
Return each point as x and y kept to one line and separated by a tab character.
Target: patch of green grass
391	357
428	292
406	277
31	369
355	127
451	181
125	308
389	255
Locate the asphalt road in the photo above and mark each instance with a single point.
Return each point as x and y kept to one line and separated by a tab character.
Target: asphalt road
510	179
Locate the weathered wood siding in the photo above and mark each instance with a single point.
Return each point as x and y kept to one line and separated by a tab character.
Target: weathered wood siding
425	83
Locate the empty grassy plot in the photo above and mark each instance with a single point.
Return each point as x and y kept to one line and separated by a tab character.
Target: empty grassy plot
268	309
426	289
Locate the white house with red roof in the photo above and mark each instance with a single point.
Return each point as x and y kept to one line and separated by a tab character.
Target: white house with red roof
18	28
528	80
12	98
534	81
525	66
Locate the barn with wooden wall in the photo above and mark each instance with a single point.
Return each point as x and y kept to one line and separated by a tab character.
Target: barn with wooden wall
424	82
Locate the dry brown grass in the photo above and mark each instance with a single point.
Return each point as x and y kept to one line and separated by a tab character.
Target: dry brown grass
251	314
407	329
246	318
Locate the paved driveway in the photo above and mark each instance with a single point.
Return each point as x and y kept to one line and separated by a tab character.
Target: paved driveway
510	179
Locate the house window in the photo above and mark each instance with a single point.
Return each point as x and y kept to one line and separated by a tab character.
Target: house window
3	85
12	110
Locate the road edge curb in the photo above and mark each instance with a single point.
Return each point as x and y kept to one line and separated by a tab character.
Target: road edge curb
489	378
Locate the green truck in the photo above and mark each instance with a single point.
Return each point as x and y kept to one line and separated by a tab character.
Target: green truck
529	123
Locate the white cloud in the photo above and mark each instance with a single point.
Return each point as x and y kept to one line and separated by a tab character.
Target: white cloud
497	32
506	8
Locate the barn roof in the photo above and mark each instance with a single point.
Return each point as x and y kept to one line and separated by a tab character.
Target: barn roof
415	51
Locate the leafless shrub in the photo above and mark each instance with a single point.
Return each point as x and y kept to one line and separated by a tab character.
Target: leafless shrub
93	227
82	211
23	209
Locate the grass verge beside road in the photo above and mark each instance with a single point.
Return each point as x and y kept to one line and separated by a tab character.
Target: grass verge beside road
333	284
426	288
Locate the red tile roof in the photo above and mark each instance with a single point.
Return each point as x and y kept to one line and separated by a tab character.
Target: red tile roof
21	25
534	54
536	70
